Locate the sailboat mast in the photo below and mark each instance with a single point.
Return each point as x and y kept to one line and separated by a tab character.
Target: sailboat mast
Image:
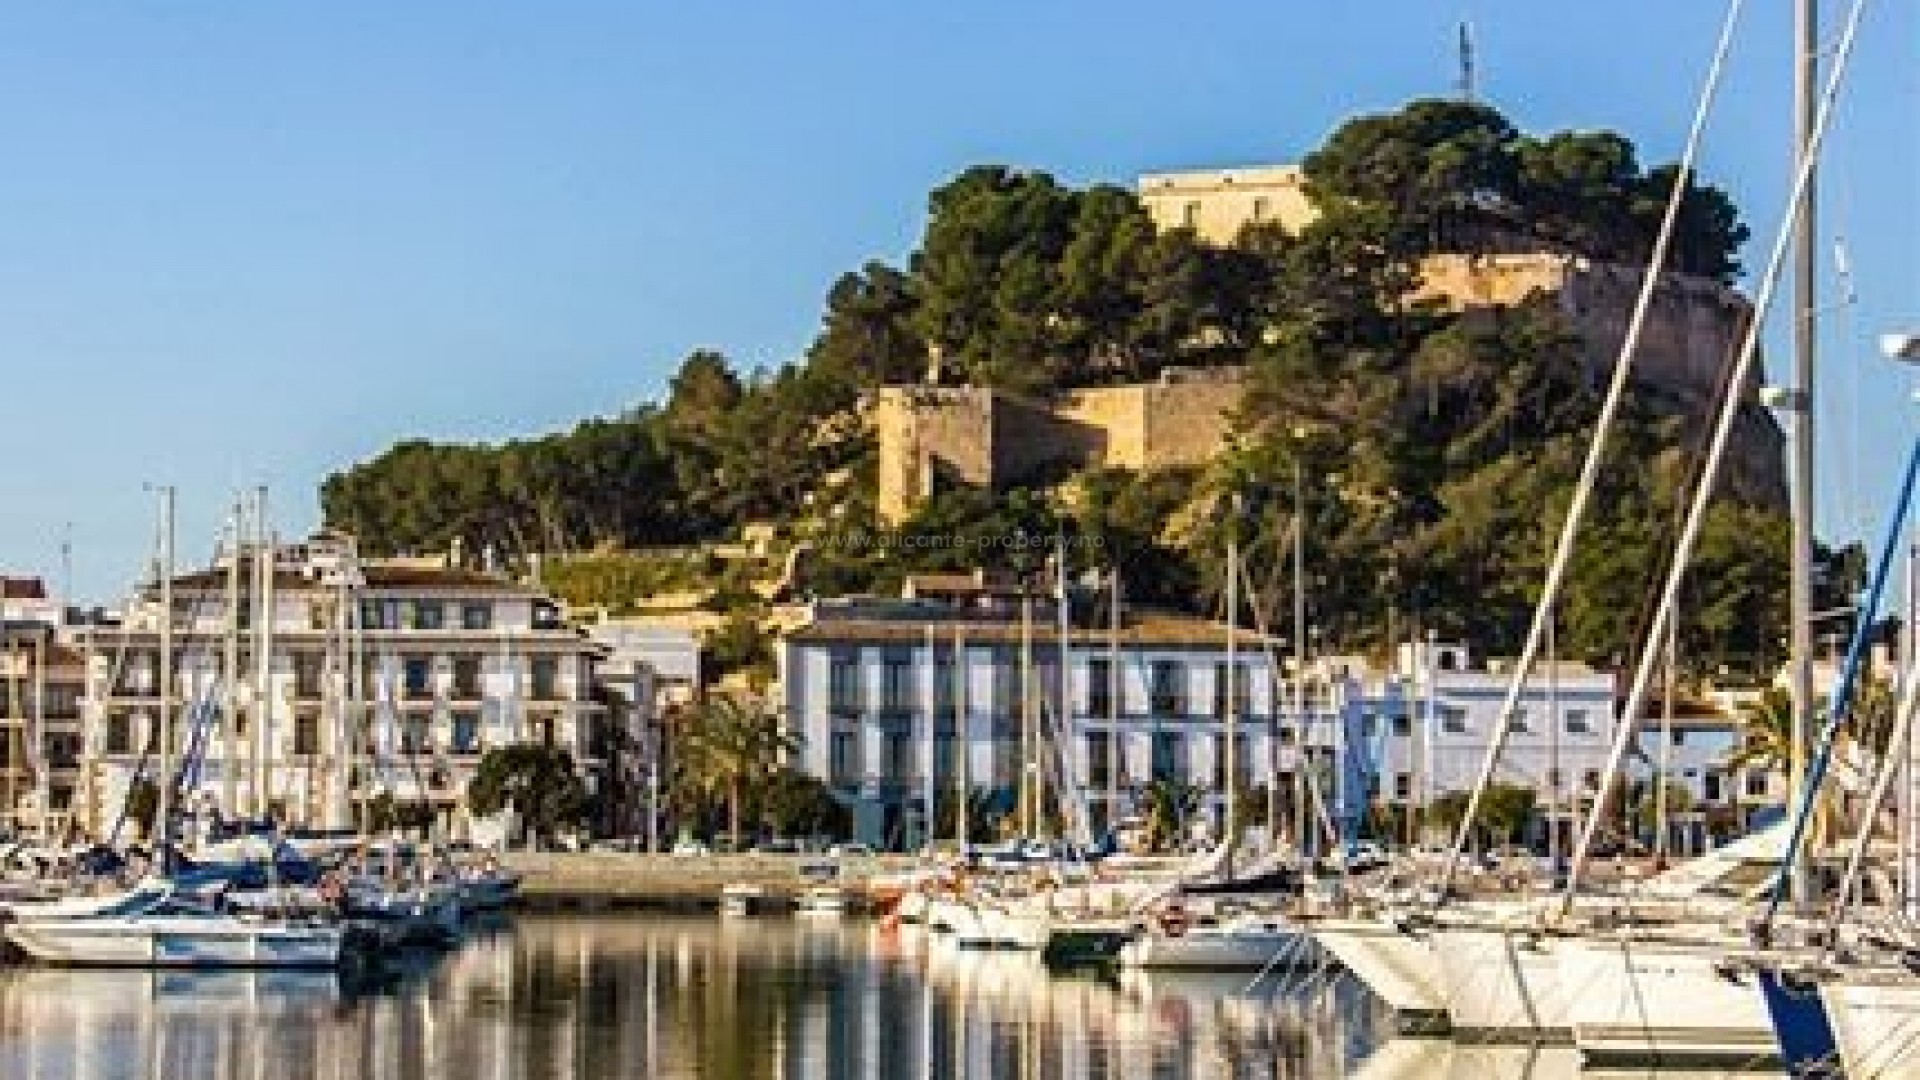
1661	781
1029	770
162	828
1114	748
1300	719
1800	488
230	665
1066	739
963	741
928	756
265	561
1230	818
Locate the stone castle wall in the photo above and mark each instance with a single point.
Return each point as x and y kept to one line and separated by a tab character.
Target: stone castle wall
930	437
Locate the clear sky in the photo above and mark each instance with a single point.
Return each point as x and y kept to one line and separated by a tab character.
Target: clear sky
255	242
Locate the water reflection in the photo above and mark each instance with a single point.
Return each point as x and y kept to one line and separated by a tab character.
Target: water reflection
666	997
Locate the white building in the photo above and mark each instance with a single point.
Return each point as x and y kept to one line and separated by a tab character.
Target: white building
379	679
873	688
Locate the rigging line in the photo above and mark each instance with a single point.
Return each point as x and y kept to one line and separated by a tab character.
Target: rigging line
1696	514
1590	468
1840	703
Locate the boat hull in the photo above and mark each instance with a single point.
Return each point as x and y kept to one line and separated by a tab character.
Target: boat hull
1503	985
1399	966
1877	1025
1640	1002
177	943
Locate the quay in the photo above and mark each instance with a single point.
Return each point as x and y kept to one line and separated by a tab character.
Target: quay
626	879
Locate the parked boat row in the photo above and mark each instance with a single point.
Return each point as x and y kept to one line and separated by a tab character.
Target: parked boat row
353	913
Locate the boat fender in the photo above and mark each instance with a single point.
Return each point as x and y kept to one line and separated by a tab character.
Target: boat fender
333	889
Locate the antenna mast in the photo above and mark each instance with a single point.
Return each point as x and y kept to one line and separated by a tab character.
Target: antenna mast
1465	85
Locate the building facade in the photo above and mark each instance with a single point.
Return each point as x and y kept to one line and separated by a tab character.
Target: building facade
899	703
323	684
42	681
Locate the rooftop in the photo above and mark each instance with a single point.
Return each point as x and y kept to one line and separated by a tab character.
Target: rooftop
910	621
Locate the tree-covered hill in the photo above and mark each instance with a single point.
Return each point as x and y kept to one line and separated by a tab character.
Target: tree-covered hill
1434	450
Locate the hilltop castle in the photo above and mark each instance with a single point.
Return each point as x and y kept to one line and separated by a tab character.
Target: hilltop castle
931	437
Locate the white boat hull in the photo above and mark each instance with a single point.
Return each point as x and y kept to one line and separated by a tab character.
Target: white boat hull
1638	1002
1503	984
170	942
1398	966
1877	1025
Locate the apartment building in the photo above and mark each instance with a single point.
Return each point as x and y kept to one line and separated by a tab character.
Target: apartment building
312	683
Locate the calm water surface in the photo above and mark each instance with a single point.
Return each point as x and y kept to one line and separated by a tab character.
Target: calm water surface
669	997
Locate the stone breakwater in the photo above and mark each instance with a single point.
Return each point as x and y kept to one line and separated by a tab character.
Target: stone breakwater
560	879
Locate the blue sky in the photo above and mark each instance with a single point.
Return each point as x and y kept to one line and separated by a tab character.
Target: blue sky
255	242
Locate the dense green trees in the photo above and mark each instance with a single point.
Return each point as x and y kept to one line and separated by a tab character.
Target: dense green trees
538	783
1436	450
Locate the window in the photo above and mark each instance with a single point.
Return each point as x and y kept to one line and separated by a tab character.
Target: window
1169	689
416	676
1006	683
1190	214
1757	784
1590	779
414	738
430	615
1234	677
844	697
466	677
946	765
546	678
1242	762
63	750
1711	786
1577	723
1453	720
943	688
378	615
843	757
466	733
306	735
1403	786
899	756
120	734
1099	686
1169	756
62	702
896	682
1261	208
1287	735
306	674
1679	737
1402	725
1099	759
1517	722
1369	725
476	616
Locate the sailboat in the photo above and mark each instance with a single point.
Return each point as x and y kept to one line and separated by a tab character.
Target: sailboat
1621	985
157	923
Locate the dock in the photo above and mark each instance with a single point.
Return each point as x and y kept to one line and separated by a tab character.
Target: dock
623	879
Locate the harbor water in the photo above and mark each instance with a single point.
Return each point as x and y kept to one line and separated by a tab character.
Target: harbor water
665	997
643	995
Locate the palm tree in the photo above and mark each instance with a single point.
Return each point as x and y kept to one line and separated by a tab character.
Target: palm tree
1766	733
729	743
